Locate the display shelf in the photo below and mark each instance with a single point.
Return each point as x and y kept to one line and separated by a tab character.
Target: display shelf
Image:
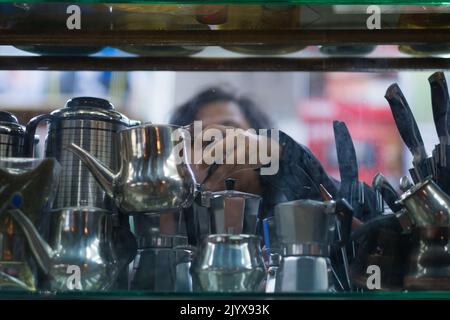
148	295
263	2
227	37
221	64
302	62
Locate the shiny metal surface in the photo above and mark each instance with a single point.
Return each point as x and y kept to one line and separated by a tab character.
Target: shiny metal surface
274	263
32	181
308	249
82	237
146	227
229	263
80	240
225	212
93	124
11	146
89	108
149	179
162	270
429	259
304	274
427	204
307	223
77	186
12	136
161	241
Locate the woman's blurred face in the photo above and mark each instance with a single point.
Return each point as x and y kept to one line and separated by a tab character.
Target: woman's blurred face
228	114
224	113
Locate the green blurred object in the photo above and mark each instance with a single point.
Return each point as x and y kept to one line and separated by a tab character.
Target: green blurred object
154	17
429	19
265	17
51	17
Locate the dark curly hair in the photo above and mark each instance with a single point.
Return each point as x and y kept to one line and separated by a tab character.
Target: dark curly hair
187	112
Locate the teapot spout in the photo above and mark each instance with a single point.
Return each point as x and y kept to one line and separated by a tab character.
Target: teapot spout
101	173
42	252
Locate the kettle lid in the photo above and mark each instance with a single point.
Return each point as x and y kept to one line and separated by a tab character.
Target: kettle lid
81	102
91	108
9	124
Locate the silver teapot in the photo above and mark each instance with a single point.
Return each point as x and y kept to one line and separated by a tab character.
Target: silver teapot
154	173
74	242
92	123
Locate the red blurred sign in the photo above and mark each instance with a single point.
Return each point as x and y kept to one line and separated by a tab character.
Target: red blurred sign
377	142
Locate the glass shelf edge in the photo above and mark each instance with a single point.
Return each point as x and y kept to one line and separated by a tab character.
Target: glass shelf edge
262	2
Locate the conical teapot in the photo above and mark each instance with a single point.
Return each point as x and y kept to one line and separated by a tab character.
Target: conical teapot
154	172
79	240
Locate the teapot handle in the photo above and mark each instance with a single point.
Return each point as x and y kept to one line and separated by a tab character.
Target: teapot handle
31	131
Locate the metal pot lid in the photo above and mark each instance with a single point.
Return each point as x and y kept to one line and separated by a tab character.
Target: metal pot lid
91	108
301	203
10	125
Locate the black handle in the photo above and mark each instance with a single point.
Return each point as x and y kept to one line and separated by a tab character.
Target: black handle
346	154
441	104
406	124
31	131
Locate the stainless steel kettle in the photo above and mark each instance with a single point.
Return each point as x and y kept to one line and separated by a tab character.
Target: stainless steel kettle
78	238
154	174
93	124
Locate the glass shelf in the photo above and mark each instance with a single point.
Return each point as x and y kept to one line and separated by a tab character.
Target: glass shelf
263	2
373	295
182	32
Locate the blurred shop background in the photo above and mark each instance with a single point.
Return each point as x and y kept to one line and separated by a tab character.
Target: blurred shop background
301	104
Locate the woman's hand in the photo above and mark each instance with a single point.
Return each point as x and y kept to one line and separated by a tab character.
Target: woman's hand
232	152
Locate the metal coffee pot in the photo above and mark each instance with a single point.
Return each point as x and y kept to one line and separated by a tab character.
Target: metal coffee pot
154	173
80	240
224	212
13	137
92	123
427	205
306	231
163	265
229	263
